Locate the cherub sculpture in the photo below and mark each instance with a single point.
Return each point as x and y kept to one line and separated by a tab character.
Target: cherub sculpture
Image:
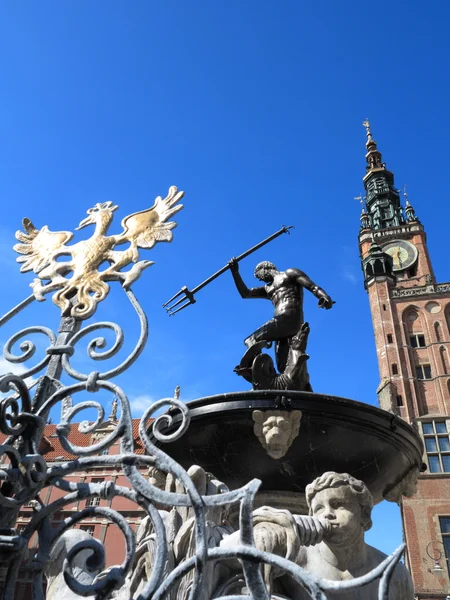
79	295
329	543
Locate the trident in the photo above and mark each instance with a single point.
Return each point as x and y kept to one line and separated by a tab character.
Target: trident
188	295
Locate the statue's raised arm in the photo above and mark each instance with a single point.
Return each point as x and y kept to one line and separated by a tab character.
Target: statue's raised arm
245	292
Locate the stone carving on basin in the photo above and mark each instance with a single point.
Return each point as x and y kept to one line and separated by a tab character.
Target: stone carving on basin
276	430
407	487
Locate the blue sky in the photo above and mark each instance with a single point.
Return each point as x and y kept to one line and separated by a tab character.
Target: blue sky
255	110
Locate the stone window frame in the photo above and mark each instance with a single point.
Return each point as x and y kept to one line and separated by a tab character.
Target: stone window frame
438	452
94	500
415	339
422	367
90	529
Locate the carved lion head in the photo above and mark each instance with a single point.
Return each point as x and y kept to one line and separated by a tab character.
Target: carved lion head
276	430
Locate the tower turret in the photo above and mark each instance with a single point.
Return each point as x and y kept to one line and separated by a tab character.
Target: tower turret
377	266
411	216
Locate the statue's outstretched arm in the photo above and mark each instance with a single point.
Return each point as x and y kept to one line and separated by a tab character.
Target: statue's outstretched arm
302	279
245	292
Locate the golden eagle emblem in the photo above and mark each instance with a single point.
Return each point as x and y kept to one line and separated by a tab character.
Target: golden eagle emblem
79	295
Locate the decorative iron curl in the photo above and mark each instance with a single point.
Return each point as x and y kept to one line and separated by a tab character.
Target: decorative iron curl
166	419
33	472
28	349
10	411
11	475
115	576
27	476
100	342
111	578
123	428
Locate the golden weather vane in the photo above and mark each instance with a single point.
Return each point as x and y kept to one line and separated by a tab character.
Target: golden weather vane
362	200
79	295
366	124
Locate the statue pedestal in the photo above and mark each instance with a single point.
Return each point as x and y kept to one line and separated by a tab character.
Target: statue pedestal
335	434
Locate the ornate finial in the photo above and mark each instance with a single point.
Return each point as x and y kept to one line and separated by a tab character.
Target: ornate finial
79	295
405	193
366	124
411	216
114	406
365	220
176	393
373	156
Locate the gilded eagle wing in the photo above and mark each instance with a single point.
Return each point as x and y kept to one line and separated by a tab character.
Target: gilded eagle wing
38	246
149	226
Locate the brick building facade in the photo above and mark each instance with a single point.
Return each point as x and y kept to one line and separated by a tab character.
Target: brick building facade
411	321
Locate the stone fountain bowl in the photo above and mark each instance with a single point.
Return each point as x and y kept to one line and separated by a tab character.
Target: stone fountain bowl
335	434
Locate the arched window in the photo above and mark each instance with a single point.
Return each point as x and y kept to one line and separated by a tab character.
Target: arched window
444	359
410	318
413	321
447	317
437	331
378	267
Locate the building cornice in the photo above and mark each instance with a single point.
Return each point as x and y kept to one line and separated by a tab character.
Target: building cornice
422	290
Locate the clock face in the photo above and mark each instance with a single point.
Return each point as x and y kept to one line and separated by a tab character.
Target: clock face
404	254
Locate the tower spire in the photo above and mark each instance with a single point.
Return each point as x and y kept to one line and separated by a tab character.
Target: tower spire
382	198
373	156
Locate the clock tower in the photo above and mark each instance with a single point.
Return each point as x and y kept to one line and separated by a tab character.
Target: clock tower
411	321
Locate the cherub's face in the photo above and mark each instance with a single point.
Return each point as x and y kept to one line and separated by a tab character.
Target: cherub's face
340	507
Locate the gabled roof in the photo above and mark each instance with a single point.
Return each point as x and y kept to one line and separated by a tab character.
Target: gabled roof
52	450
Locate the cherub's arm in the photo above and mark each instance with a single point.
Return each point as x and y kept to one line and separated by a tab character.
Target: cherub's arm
245	292
302	279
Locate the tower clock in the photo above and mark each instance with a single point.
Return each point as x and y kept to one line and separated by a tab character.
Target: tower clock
404	254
